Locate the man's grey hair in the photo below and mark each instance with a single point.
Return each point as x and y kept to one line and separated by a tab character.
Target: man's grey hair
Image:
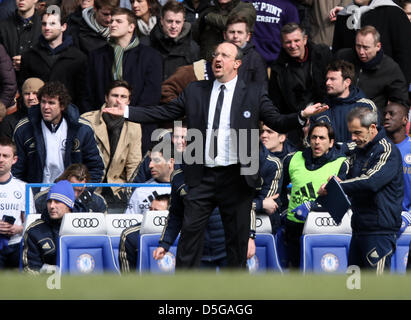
366	116
290	28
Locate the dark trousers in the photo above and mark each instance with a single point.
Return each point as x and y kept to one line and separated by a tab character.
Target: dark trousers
10	256
213	264
225	188
372	251
292	238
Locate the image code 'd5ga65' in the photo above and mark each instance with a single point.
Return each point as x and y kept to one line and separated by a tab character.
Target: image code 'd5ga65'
214	309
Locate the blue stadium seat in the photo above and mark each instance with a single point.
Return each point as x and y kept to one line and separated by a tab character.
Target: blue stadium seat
400	257
151	228
116	223
84	246
324	244
266	257
85	254
148	243
325	253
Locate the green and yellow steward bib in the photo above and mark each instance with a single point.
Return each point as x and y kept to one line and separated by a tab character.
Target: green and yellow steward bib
305	183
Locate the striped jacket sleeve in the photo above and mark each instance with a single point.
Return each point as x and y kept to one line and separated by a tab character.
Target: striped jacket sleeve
271	175
128	249
31	255
378	173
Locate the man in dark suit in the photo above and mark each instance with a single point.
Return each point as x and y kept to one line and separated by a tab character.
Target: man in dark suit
227	180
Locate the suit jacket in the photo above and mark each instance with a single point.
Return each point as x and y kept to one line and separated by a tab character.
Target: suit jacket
127	155
250	105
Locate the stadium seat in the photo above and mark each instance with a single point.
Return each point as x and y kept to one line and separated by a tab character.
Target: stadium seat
151	228
400	257
30	218
266	257
83	223
154	222
324	244
84	246
116	223
148	243
262	223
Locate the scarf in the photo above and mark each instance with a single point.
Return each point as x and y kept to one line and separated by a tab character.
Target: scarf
146	28
90	18
355	12
374	62
117	68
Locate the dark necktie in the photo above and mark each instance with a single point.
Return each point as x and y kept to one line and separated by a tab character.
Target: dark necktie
216	122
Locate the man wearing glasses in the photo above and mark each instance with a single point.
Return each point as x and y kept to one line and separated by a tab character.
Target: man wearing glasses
222	174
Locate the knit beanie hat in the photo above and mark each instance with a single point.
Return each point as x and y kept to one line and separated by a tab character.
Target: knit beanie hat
32	85
62	191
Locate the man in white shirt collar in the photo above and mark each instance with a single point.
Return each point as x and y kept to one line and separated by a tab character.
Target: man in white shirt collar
224	184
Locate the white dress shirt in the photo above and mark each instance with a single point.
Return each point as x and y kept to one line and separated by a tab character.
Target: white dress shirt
226	150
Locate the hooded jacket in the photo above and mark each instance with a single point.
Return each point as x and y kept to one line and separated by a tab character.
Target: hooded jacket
336	115
81	146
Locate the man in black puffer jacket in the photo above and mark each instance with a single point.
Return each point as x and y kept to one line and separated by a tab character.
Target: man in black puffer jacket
297	77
